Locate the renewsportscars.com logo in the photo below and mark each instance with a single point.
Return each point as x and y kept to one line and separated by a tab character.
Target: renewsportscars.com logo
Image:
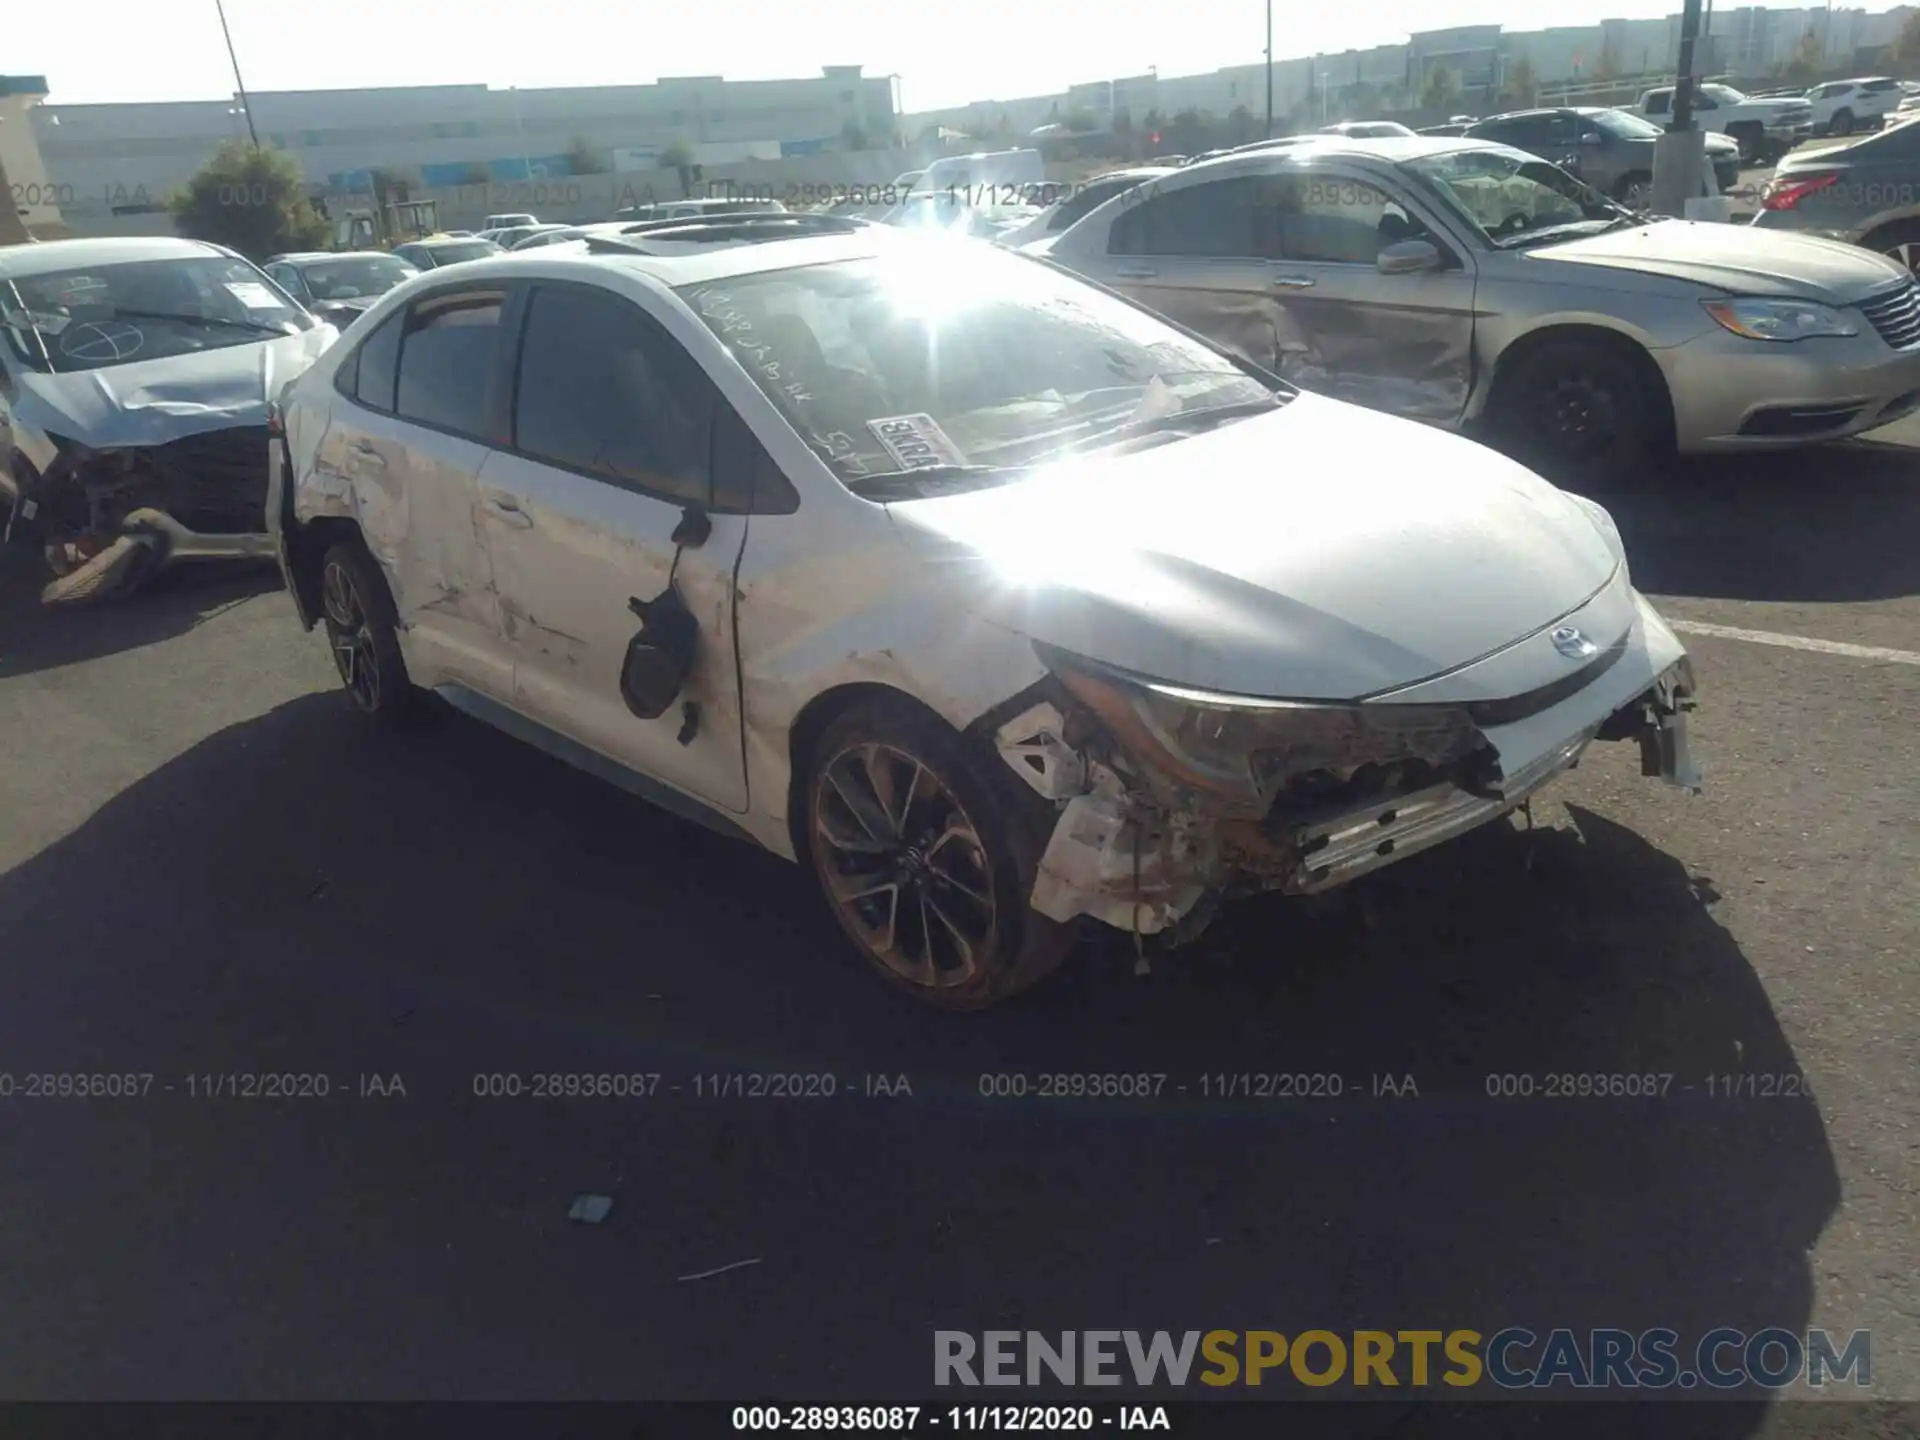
1511	1359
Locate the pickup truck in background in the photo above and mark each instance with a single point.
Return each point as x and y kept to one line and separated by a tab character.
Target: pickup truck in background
1764	129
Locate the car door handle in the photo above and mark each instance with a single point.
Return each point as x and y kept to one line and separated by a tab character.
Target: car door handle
1293	282
506	510
1135	272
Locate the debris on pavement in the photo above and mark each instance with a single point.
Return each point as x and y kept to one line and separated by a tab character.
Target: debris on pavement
590	1209
721	1269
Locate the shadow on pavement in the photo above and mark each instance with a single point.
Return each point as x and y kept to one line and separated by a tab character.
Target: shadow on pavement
299	895
1834	523
37	637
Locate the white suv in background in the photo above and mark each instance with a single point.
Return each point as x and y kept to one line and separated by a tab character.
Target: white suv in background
995	600
1844	106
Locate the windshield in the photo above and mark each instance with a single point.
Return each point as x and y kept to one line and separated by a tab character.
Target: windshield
472	250
102	315
1725	94
355	279
1627	127
960	355
1514	199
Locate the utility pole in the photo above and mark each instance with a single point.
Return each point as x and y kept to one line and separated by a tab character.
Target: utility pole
1679	156
246	105
1269	69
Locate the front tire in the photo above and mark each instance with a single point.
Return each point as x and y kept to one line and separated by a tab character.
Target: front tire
927	858
1842	123
358	614
1580	412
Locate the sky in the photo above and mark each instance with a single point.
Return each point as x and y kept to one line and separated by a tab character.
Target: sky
94	51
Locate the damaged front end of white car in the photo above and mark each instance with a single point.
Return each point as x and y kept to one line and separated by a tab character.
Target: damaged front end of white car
1171	800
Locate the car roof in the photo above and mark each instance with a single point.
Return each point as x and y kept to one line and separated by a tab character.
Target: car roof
19	261
433	242
1394	149
683	262
303	257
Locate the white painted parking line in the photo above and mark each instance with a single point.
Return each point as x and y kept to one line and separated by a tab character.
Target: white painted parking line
1795	642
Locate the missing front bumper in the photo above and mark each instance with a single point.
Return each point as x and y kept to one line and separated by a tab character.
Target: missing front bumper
1116	857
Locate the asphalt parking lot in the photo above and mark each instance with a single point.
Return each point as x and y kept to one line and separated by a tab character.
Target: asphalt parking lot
209	867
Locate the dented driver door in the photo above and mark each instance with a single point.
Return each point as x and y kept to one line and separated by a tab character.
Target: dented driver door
1401	342
610	451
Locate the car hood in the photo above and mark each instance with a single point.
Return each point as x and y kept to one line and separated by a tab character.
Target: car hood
151	402
1736	259
1321	552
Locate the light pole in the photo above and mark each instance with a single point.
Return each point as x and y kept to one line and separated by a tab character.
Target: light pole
520	130
245	105
1269	69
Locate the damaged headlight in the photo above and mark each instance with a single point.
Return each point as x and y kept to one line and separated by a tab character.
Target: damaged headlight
1244	750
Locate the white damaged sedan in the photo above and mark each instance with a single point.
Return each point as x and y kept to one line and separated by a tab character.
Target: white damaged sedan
1001	603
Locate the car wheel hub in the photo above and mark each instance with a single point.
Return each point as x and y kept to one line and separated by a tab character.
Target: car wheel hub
903	865
1579	418
351	638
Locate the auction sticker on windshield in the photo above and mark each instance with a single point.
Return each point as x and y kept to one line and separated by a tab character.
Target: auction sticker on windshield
253	295
915	441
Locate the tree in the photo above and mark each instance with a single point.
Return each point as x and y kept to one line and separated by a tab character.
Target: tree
1904	53
1440	90
1808	56
1189	132
583	159
1081	122
1523	86
251	200
13	228
678	155
1608	66
1240	125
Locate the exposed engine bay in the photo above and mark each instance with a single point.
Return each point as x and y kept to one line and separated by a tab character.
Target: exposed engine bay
110	519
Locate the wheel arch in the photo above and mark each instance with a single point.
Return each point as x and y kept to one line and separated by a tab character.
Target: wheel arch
812	722
307	546
1652	379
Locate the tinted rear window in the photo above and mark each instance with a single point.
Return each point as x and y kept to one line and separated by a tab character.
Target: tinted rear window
446	362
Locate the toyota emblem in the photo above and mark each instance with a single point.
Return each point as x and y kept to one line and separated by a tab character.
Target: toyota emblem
1572	643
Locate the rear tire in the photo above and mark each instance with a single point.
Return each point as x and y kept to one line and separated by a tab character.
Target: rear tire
1899	241
926	856
1579	411
1752	145
358	614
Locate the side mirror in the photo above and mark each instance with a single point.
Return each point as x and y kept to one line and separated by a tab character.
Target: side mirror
660	658
1592	139
1408	257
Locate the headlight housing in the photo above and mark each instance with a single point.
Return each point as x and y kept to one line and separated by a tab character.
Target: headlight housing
1240	751
1609	529
1780	320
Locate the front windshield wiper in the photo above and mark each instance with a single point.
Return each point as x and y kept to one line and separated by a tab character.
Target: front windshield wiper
929	480
1571	227
1204	418
264	327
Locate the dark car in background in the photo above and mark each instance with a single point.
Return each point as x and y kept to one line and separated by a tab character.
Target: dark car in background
1866	192
337	287
1609	149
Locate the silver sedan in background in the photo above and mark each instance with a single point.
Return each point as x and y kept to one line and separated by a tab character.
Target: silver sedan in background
1466	284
